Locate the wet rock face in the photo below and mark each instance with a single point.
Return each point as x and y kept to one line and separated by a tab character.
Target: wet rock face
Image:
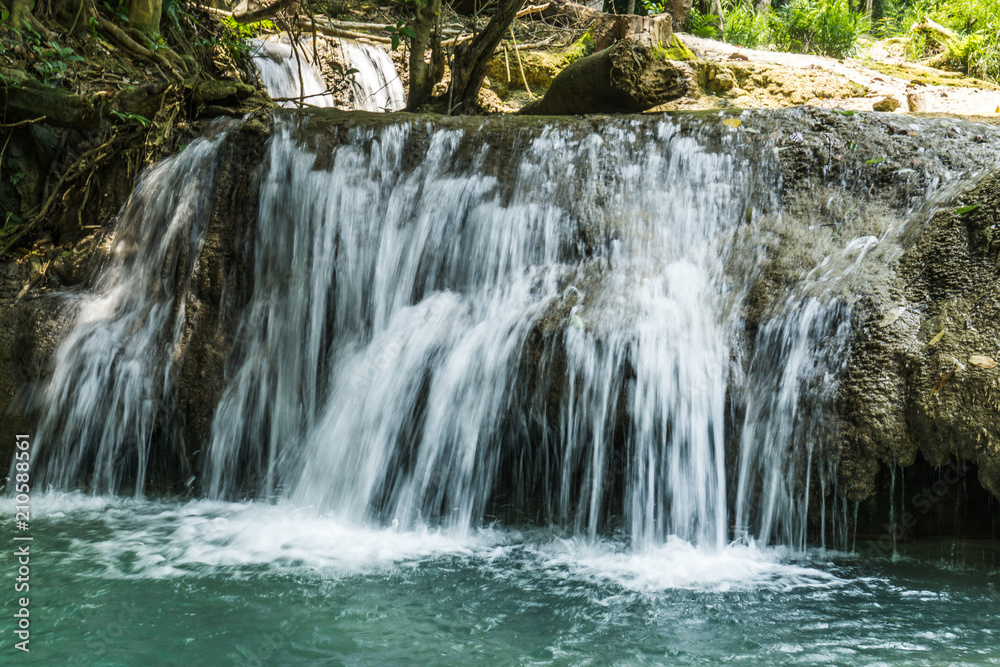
219	289
31	332
924	377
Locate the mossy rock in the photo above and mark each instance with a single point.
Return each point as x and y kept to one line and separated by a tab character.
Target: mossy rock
675	50
540	67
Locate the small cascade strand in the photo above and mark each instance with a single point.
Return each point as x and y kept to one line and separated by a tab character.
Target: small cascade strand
110	395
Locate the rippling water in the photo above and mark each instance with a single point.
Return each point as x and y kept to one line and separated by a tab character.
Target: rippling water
124	582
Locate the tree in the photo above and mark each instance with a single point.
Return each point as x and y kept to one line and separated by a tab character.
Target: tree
144	15
471	58
424	34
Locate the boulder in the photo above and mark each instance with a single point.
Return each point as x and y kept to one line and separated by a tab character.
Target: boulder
886	104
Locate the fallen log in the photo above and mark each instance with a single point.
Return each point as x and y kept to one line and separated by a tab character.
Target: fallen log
61	109
945	37
628	77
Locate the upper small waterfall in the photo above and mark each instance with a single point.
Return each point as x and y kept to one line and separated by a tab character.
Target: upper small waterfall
376	85
289	73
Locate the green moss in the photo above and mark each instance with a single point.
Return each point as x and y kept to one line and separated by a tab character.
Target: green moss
540	67
675	51
911	74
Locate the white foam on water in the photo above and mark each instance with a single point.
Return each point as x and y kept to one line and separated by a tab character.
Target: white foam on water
137	539
153	540
678	564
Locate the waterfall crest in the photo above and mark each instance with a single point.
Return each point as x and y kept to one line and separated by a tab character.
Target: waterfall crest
288	74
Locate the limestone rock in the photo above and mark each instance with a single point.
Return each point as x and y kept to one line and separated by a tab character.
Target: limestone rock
887	104
628	77
916	102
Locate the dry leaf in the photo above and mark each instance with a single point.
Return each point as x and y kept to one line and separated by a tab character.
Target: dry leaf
937	338
942	381
891	316
732	122
982	361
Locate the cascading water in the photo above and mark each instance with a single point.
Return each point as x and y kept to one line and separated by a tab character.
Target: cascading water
443	329
290	74
113	379
376	84
475	391
392	311
381	371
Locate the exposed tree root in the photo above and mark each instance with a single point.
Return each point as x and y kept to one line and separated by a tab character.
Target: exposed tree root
86	163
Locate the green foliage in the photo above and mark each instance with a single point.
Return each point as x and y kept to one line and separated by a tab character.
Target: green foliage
172	10
128	117
235	35
340	73
747	27
703	25
654	7
396	32
118	10
977	23
826	27
246	30
51	59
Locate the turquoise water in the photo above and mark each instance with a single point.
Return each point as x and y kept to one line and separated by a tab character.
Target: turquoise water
116	582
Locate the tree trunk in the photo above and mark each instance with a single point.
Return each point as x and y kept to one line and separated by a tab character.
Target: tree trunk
679	10
144	15
270	11
716	8
471	57
19	12
628	77
424	75
606	29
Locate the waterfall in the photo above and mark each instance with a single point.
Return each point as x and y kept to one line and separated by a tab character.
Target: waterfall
288	71
376	84
393	310
113	380
446	328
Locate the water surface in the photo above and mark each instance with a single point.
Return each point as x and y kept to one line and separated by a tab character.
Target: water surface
125	582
